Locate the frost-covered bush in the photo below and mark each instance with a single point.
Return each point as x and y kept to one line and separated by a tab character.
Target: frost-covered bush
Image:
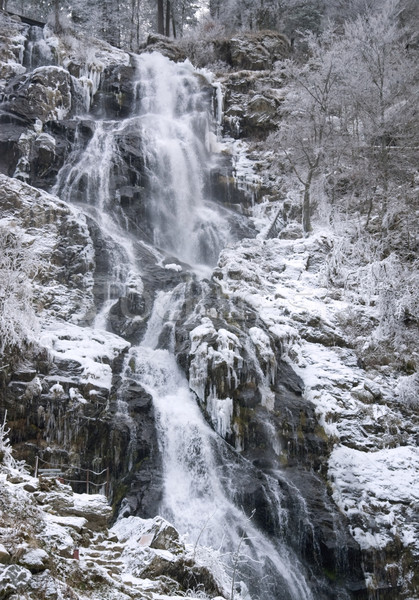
408	390
200	42
6	458
356	263
18	322
5	448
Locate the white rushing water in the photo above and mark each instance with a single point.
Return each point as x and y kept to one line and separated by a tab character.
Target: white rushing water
175	126
193	496
171	118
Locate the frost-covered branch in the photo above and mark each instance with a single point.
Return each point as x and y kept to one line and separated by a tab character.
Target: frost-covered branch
18	267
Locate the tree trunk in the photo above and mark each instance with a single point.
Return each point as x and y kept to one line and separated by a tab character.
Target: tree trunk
173	25
214	7
57	26
307	202
168	18
160	17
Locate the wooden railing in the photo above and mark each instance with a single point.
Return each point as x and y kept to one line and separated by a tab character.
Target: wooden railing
59	471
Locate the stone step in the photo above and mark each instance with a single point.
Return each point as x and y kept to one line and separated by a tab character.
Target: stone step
107	547
92	553
100	558
109	563
101	555
113	570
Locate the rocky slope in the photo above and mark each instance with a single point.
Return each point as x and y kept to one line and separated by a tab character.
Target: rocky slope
56	544
267	344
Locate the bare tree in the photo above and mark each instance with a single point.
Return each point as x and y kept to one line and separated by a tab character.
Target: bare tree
380	83
310	125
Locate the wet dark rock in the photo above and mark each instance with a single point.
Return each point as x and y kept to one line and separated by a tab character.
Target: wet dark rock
224	188
44	94
9	154
138	399
115	97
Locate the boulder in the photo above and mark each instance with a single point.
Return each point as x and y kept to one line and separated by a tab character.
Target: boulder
165	535
164	45
44	94
4	555
35	559
252	101
92	507
14	579
182	573
255	51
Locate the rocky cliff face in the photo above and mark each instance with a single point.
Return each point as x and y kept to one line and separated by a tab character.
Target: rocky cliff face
323	449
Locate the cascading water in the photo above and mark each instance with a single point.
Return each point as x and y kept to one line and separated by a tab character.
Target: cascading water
170	118
193	496
170	121
37	51
174	121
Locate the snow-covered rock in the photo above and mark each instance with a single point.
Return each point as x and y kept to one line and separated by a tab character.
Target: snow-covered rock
14	579
62	248
68	531
35	559
373	468
94	353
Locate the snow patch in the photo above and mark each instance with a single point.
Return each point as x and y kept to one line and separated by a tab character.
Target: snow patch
93	350
384	484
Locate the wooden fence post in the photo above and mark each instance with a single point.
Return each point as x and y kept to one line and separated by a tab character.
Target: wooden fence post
107	483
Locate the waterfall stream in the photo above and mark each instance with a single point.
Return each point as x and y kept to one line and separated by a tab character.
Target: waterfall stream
174	121
171	122
193	496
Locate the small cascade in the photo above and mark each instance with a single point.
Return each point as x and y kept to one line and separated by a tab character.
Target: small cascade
87	182
37	52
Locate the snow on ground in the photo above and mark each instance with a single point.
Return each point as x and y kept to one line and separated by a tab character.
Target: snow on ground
374	468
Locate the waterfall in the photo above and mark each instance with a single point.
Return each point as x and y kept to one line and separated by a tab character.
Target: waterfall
174	121
157	159
170	124
194	498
